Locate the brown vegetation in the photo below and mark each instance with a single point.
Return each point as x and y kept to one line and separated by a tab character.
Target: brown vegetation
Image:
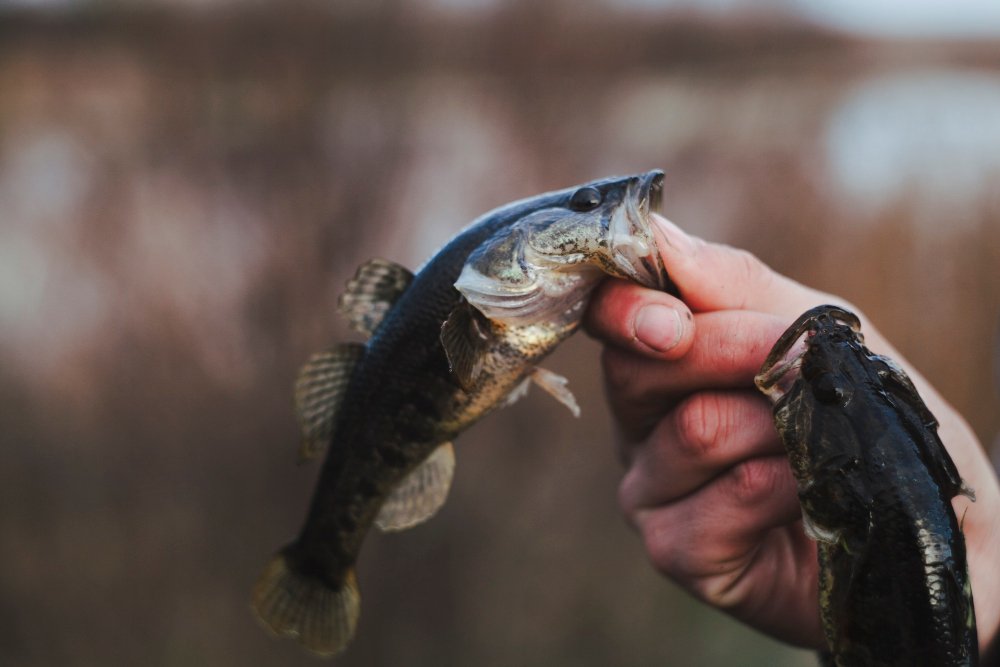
184	195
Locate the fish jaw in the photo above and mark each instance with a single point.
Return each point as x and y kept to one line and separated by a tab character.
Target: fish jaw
633	250
782	367
551	296
544	265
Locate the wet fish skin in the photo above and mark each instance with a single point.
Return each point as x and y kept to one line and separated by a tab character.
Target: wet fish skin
448	345
875	484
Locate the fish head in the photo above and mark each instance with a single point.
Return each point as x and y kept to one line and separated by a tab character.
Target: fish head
819	375
604	224
818	349
559	245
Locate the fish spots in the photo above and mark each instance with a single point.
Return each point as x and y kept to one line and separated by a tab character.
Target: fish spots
393	456
436	363
367	487
426	406
875	485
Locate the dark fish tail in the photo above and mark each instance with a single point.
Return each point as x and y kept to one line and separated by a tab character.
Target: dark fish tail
294	602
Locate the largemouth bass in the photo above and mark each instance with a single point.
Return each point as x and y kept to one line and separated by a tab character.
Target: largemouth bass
875	484
461	337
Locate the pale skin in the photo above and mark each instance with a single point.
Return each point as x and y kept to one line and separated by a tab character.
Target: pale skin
706	484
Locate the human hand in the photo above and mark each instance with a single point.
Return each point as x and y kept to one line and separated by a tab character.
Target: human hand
707	484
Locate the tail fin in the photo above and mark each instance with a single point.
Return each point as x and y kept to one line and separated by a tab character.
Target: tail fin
301	606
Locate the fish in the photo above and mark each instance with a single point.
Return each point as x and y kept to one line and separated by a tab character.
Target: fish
447	345
875	484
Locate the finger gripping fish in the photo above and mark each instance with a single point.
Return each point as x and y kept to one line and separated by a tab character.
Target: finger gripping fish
447	345
875	484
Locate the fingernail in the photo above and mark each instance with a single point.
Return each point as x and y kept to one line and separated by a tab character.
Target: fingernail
674	235
658	327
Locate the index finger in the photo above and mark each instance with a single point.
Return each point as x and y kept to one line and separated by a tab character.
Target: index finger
714	276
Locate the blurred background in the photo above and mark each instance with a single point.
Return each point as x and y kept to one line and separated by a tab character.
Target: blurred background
185	186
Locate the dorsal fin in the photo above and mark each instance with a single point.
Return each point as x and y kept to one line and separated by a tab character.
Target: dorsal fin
371	293
421	493
319	390
467	336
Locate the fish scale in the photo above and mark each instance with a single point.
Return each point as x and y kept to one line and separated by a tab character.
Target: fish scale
448	345
875	484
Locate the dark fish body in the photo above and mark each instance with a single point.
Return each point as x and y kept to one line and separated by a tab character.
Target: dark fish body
875	484
448	345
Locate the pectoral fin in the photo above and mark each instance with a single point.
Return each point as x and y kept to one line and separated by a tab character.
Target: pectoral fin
319	390
372	292
923	426
420	494
467	337
555	385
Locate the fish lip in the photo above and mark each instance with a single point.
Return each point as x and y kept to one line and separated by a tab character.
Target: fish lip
777	375
787	352
651	191
634	251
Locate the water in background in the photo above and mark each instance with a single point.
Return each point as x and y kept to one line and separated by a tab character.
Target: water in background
183	194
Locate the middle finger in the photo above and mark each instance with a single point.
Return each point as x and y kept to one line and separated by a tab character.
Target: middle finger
706	435
728	350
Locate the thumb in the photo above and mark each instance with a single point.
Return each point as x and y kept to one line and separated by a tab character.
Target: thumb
714	276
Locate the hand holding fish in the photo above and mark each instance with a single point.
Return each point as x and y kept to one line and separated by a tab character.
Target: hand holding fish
707	482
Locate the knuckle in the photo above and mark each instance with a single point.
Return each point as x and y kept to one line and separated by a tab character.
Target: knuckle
697	560
750	271
741	348
751	268
698	557
753	480
700	425
719	590
661	548
628	497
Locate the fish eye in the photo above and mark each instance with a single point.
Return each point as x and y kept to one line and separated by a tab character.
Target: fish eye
585	199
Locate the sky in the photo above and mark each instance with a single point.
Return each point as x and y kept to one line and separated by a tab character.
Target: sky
888	18
933	136
905	18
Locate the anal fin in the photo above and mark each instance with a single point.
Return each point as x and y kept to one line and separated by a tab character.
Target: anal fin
555	385
517	393
421	493
319	390
372	291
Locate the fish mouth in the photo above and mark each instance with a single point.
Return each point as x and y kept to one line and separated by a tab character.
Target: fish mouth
781	368
634	253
